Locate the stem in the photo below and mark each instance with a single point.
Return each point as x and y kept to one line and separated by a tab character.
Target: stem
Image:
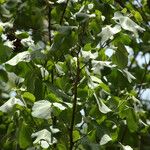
52	72
63	13
49	24
50	36
74	102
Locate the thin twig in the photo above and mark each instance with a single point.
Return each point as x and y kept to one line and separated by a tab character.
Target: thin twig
63	13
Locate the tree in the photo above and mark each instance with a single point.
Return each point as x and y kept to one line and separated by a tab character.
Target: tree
70	74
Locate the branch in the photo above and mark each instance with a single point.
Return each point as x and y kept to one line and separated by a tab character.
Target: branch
63	13
74	102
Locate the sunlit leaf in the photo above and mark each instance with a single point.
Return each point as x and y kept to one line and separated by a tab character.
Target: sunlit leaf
8	106
60	106
105	139
54	130
108	32
127	24
126	147
102	107
20	57
43	138
42	109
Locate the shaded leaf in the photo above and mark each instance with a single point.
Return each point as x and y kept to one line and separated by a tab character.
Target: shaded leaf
3	75
120	57
24	136
132	120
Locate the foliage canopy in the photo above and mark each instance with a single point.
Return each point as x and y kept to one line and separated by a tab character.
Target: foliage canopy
70	74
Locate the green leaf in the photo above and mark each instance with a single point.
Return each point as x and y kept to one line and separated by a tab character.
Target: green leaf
58	92
2	1
24	136
132	120
3	75
29	97
1	29
138	16
61	147
5	53
58	42
104	87
87	47
122	38
76	135
54	97
22	35
42	109
120	57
